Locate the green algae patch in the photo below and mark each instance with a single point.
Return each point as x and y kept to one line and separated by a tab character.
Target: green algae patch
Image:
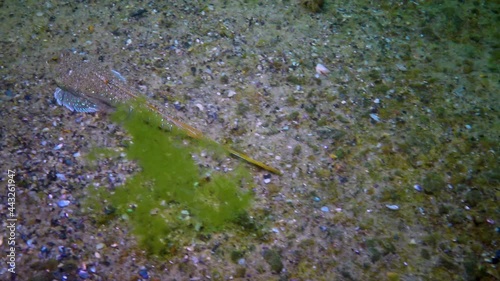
171	200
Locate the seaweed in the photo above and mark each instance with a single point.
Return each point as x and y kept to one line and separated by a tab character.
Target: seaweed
170	201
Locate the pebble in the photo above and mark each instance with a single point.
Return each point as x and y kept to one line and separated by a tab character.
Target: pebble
63	203
374	117
30	243
231	93
392	207
143	272
44	250
321	69
325	209
267	178
59	146
61	177
418	188
401	67
83	274
316	199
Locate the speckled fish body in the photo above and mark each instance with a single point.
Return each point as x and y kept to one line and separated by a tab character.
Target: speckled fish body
81	79
82	82
84	86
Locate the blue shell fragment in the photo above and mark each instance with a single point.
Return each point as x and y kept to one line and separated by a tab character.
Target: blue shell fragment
374	117
74	102
118	75
83	274
143	272
63	203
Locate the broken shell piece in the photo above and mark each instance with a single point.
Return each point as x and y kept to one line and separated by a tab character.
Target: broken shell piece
321	69
200	106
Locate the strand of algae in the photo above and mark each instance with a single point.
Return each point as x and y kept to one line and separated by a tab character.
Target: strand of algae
88	80
170	201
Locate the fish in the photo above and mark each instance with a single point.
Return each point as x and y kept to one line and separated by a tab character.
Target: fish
85	86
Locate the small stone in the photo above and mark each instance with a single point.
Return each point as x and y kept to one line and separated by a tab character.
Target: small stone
267	178
63	203
392	207
321	69
375	117
44	250
325	209
231	93
83	274
143	272
418	188
401	67
61	177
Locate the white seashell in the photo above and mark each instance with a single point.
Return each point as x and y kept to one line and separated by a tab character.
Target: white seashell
200	106
392	207
321	69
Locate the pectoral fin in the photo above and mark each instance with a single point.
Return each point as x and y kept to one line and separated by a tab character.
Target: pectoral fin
74	102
